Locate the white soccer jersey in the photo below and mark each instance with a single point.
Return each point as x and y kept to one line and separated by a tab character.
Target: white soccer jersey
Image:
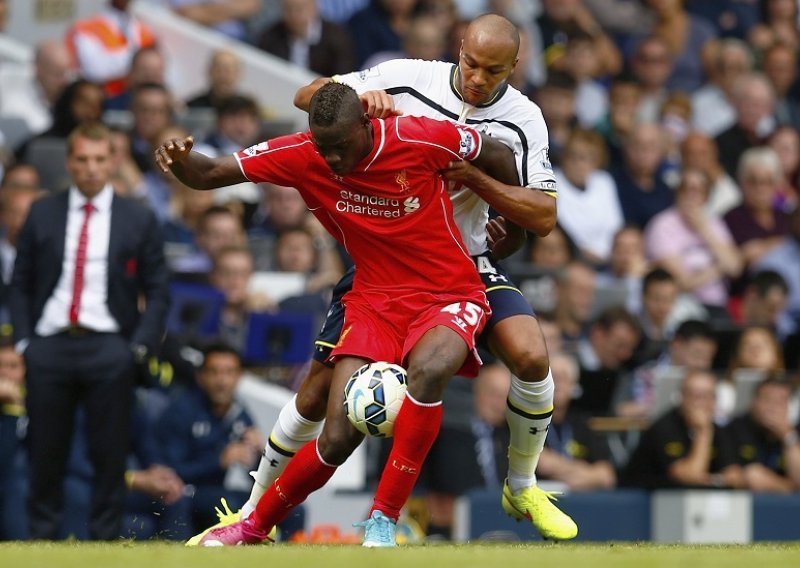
427	88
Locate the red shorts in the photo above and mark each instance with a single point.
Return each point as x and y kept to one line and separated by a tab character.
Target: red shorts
390	330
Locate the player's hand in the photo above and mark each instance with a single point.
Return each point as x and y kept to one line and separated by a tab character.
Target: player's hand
172	151
378	104
462	171
502	242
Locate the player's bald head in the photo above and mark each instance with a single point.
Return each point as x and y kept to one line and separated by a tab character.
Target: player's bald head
335	104
493	34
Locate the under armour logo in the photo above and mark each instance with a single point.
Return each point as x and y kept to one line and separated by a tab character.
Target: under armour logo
534	430
273	463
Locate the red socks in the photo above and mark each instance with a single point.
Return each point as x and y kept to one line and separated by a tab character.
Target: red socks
415	430
304	474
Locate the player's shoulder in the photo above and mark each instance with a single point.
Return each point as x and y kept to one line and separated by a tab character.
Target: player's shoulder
418	128
515	104
399	71
287	142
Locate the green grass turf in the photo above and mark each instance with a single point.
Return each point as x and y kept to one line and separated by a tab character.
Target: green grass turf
543	555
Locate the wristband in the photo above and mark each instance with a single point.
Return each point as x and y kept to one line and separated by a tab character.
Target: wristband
129	476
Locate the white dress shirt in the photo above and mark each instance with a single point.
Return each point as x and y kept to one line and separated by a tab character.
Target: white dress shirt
93	313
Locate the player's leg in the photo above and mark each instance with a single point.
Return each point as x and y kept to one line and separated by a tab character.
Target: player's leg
440	343
514	336
299	422
309	470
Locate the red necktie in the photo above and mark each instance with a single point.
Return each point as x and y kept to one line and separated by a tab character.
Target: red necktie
80	264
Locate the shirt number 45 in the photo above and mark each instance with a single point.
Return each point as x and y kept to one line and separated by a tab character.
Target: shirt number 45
465	314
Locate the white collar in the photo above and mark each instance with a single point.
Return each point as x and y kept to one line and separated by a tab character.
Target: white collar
101	201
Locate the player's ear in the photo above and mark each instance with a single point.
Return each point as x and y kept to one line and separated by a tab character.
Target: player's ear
365	118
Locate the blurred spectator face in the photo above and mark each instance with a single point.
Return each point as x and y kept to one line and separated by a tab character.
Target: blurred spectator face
780	67
627	251
242	127
21	176
286	208
576	292
224	73
295	252
754	102
693	353
298	15
424	39
758	349
231	275
676	113
147	66
644	149
623	102
699	152
771	403
90	164
652	63
785	141
580	158
759	185
491	392
658	300
557	104
87	103
219	231
561	10
692	192
218	378
152	113
51	68
764	310
733	63
781	10
16	204
614	346
12	366
699	394
581	59
551	252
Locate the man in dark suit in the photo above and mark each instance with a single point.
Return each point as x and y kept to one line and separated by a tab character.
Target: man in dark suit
85	258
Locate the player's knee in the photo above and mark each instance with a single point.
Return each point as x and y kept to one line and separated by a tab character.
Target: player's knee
427	379
336	444
530	365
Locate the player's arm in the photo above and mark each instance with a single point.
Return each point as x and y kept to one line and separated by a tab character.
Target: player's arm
377	103
195	169
493	175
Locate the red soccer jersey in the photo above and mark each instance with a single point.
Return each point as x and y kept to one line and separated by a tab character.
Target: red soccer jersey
392	212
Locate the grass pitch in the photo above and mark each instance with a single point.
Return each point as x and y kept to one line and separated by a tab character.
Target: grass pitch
162	555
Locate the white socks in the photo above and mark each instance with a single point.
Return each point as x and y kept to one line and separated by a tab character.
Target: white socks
530	407
290	433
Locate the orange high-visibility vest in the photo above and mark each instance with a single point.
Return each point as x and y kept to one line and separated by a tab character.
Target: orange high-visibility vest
112	39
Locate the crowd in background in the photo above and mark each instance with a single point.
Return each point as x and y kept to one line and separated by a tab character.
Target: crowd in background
669	292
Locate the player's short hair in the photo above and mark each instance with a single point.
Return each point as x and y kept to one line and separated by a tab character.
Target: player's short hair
94	131
333	103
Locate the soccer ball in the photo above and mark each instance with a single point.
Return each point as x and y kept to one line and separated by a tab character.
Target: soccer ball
373	396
